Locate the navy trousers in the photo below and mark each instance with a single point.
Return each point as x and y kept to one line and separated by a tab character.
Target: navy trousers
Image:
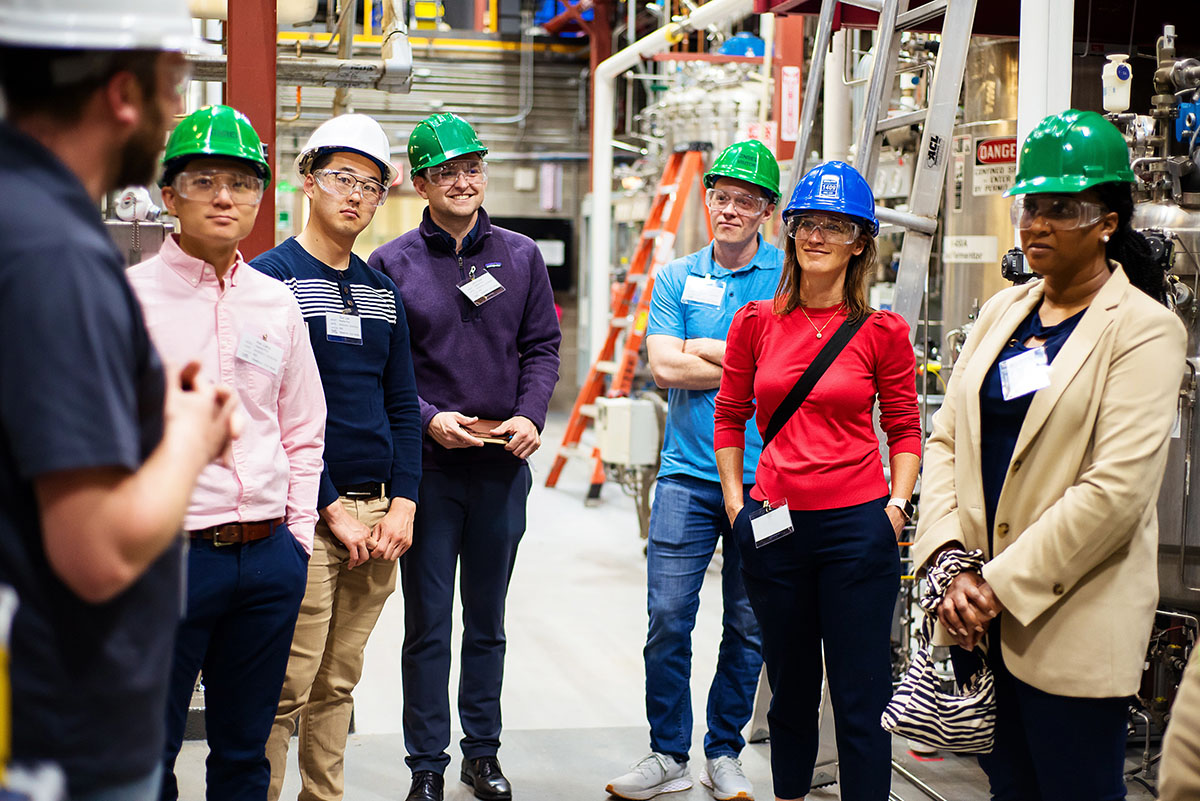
834	581
242	604
1050	747
474	516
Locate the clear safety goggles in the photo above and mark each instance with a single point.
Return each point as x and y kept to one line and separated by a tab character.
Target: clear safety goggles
1061	212
833	230
448	174
342	184
204	185
744	204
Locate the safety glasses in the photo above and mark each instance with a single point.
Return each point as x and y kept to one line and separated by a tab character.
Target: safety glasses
744	204
342	184
1061	212
833	230
446	175
204	185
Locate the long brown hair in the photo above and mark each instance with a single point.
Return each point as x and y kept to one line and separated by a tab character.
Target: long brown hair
854	288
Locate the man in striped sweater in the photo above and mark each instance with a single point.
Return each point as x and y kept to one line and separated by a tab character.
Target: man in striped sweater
368	490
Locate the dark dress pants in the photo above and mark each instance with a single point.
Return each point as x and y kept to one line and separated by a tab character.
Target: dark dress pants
473	516
1049	747
834	582
242	602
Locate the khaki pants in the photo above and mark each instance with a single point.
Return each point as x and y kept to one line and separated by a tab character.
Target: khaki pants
338	613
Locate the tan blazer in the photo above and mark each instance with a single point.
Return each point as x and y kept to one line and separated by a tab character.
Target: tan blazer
1076	537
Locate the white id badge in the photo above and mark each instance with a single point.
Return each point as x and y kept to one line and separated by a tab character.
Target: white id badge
343	328
1025	373
481	287
704	290
258	351
769	524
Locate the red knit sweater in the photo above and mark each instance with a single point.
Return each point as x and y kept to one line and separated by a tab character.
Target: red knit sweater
827	455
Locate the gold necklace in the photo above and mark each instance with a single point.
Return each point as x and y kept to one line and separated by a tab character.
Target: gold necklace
827	322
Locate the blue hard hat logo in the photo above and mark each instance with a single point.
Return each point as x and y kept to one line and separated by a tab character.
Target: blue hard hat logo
831	187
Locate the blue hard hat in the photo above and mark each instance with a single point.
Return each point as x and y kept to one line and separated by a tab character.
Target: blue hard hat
835	186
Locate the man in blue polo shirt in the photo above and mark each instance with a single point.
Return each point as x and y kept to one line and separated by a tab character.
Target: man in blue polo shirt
693	304
368	491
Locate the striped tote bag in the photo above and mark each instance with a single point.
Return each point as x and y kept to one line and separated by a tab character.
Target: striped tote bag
920	710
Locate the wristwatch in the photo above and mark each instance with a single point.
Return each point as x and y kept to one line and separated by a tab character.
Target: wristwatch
905	506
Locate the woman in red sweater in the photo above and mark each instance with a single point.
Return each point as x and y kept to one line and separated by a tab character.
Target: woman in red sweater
822	567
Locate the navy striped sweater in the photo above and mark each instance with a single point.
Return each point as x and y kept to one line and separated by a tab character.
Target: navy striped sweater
373	429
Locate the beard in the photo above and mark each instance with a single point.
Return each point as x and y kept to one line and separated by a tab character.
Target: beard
137	163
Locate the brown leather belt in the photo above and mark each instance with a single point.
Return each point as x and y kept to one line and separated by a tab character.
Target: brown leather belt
236	533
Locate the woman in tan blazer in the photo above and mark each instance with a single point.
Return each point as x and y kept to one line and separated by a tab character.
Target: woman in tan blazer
1047	455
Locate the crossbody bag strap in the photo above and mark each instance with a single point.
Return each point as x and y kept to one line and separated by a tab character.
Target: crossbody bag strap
810	377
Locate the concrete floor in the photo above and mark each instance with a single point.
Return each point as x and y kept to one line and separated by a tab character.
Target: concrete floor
573	694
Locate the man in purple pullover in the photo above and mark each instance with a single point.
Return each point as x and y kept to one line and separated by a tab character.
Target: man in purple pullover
484	337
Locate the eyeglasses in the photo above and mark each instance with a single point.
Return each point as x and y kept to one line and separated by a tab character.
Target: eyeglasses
444	175
343	184
205	185
833	230
1060	212
744	204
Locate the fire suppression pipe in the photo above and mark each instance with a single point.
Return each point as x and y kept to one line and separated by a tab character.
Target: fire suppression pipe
603	82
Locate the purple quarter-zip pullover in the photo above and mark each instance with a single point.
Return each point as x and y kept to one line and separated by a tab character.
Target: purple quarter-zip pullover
494	361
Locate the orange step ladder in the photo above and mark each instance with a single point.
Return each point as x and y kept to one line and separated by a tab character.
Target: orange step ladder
654	249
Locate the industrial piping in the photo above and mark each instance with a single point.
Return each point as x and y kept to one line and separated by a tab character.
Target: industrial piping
603	81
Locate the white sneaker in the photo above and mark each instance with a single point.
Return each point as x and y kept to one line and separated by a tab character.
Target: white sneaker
656	773
725	778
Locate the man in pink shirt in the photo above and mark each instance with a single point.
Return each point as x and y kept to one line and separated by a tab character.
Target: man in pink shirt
251	517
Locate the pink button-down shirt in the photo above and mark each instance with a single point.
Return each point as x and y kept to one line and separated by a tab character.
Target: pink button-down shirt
250	335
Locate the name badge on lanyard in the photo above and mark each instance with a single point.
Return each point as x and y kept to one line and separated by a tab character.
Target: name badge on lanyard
1024	373
706	291
770	523
343	327
481	286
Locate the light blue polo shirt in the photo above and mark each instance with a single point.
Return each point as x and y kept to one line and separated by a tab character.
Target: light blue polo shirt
688	441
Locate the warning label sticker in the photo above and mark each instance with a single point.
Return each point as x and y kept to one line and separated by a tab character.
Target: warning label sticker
995	165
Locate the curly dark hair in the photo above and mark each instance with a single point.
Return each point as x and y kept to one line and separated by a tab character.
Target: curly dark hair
1127	246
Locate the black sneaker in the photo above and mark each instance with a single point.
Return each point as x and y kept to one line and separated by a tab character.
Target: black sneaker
484	776
426	786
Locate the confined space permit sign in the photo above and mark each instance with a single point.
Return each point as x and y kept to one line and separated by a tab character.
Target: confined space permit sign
995	165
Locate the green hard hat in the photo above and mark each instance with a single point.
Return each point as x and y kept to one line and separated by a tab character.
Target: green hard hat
1072	151
439	138
214	131
747	161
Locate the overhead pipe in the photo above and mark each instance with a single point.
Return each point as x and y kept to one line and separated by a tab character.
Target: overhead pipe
603	81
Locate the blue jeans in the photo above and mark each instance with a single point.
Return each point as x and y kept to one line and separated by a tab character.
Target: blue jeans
686	522
143	789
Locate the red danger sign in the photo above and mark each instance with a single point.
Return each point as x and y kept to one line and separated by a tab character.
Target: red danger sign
997	150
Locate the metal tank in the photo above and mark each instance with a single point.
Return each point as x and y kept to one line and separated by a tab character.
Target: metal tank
1179	499
976	226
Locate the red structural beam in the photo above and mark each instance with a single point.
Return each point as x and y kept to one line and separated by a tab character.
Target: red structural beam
250	88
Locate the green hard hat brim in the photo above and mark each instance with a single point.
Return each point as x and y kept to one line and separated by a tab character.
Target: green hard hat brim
1066	184
174	166
710	180
447	155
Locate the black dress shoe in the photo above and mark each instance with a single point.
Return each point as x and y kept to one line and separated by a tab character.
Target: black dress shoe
484	776
426	786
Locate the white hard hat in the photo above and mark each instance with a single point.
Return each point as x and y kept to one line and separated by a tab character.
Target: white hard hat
357	133
97	24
